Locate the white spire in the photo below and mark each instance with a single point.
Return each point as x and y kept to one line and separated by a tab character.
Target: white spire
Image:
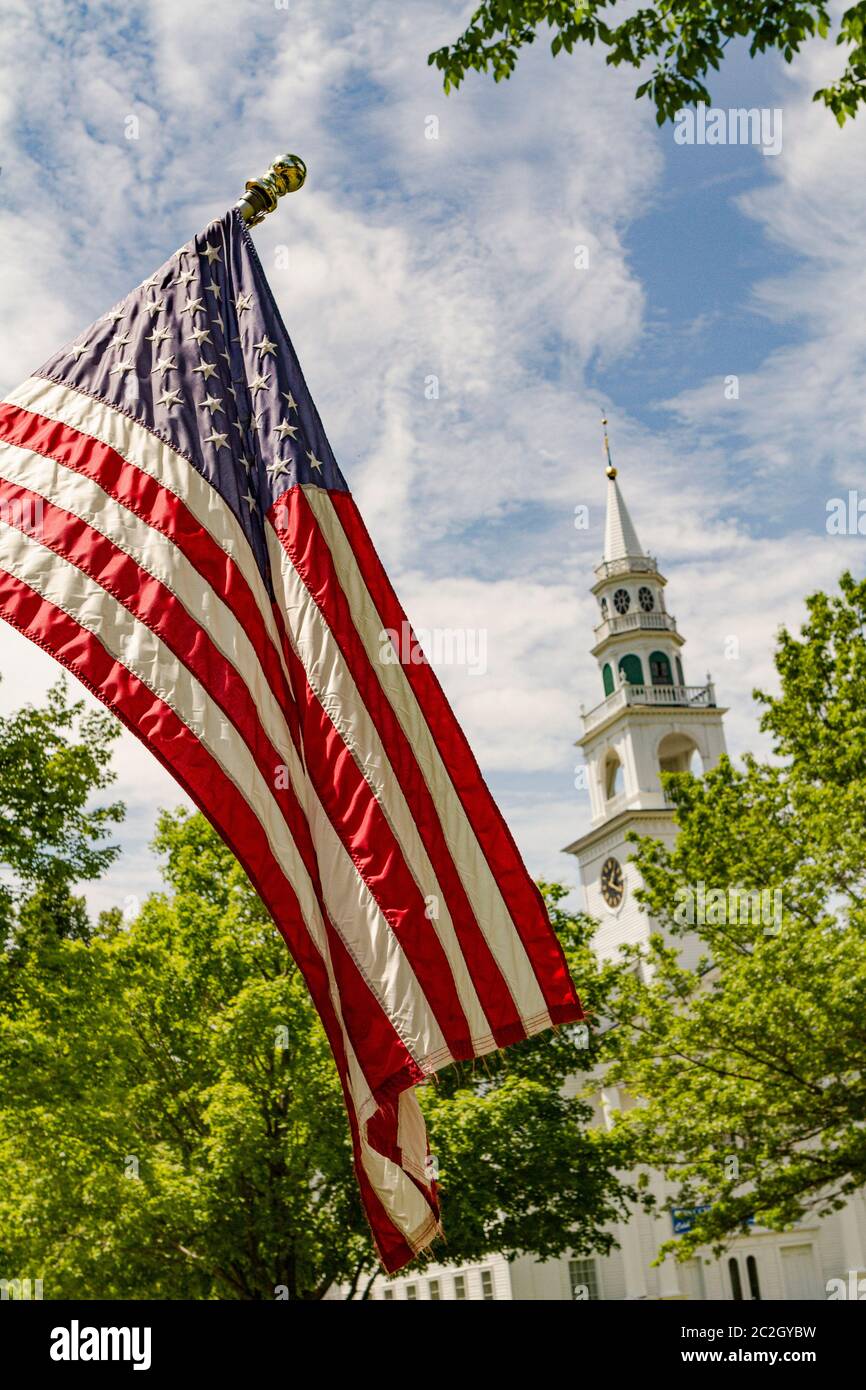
620	537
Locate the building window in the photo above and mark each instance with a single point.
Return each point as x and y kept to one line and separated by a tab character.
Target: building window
754	1282
622	601
607	679
411	1290
433	1287
583	1277
388	1295
614	784
646	600
736	1282
604	608
459	1286
680	677
660	669
631	670
487	1285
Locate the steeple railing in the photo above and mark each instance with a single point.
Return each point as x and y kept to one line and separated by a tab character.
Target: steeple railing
682	696
628	564
629	622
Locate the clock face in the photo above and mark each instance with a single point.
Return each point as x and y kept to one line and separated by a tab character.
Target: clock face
622	600
612	886
645	597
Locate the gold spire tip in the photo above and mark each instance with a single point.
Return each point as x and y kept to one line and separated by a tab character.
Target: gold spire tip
610	470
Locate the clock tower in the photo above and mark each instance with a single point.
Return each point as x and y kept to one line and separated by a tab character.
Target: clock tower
649	721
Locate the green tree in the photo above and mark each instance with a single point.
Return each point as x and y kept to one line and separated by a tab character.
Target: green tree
751	1068
53	760
173	1124
682	38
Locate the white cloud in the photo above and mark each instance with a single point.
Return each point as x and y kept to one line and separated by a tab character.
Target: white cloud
801	410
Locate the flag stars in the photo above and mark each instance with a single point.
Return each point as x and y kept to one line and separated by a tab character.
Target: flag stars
243	301
259	383
252	425
193	306
211	252
76	350
279	467
265	346
250	501
284	428
289	399
150	284
220	441
207	369
201	335
214	289
213	403
120	342
116	314
184	279
158	336
165	364
313	461
121	368
154	306
170	398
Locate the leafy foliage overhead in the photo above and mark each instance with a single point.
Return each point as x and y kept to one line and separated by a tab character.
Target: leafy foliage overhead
681	39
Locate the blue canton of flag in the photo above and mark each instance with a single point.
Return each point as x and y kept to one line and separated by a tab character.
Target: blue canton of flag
198	355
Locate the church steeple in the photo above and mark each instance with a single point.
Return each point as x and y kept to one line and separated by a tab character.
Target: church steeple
648	722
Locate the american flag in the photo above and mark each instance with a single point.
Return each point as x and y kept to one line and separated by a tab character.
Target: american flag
174	529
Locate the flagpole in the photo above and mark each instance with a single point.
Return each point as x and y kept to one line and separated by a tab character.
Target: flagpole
286	175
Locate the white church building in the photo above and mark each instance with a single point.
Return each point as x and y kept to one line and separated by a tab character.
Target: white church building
650	720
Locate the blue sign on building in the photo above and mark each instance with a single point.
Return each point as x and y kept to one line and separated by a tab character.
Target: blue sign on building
684	1218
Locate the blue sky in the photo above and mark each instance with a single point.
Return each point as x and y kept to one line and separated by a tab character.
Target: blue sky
407	257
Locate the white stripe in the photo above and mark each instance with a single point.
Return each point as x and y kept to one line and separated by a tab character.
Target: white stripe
171	470
164	561
332	684
400	1197
136	647
488	905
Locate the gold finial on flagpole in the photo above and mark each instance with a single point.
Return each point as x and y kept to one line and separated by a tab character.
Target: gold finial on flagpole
286	175
610	470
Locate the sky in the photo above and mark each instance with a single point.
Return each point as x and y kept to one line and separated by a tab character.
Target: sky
470	282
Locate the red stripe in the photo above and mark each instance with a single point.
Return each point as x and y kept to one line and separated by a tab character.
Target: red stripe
156	606
521	896
345	794
181	753
299	534
368	838
380	1050
164	512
